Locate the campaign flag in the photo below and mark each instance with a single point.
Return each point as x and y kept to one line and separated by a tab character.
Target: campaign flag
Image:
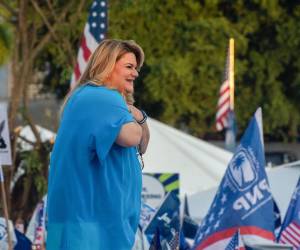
236	243
168	209
146	214
172	233
94	32
290	231
155	243
183	244
189	227
23	243
186	210
36	230
243	200
166	219
277	220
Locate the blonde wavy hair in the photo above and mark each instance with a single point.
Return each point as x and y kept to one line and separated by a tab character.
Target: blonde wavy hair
102	63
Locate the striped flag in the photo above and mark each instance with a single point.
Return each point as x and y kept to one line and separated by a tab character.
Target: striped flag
236	242
290	232
36	229
291	235
94	32
224	99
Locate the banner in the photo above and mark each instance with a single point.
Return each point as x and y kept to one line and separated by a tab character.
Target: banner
5	150
157	185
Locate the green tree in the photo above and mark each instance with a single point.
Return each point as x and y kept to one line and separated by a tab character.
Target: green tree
41	30
5	40
185	44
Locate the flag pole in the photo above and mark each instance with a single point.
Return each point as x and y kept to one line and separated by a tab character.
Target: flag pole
231	72
230	135
5	207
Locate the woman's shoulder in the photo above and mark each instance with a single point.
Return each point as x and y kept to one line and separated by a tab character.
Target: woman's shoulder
101	94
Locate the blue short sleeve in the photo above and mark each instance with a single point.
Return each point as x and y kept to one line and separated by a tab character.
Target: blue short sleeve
108	129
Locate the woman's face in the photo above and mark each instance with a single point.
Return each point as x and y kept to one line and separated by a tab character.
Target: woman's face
124	73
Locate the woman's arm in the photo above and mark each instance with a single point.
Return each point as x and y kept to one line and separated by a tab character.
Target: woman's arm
138	116
130	135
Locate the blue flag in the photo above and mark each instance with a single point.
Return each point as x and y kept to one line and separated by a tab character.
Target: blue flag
23	243
155	243
166	219
277	218
186	210
183	244
243	199
189	227
164	215
290	231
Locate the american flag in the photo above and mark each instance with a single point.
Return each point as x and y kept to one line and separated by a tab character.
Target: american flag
224	99
290	232
94	32
243	200
40	224
236	242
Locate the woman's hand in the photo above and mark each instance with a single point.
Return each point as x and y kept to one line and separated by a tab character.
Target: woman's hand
136	113
138	116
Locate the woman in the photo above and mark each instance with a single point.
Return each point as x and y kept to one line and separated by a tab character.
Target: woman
94	188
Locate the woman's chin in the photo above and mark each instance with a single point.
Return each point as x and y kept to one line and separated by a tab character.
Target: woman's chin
129	90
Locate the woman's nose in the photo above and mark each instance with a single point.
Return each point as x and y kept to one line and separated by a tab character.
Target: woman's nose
135	73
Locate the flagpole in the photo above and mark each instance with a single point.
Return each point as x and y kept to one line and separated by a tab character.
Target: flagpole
230	134
231	72
5	207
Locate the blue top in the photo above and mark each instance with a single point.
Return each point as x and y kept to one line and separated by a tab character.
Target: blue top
95	185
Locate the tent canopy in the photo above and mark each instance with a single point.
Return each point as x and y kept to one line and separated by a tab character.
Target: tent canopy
200	165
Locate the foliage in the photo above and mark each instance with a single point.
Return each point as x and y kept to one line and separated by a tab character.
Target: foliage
5	41
185	44
44	33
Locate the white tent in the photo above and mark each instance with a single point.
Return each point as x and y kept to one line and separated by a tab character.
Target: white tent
27	133
201	165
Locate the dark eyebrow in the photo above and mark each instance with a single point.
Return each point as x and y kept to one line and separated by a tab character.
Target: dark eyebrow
131	65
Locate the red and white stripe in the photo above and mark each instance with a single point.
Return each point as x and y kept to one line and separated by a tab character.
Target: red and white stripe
221	239
223	106
291	235
87	47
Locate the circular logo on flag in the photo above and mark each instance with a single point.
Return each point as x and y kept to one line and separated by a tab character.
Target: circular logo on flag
242	169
